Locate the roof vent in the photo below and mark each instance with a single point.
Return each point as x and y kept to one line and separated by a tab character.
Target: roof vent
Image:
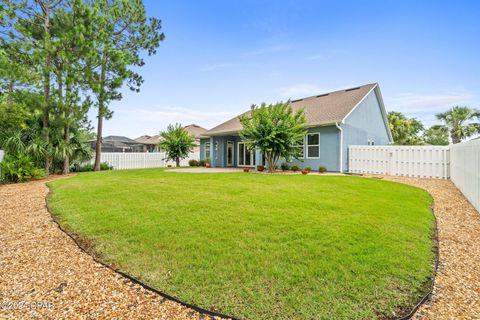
323	95
351	89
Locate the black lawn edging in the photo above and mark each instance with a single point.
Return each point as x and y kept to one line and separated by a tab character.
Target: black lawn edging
133	279
224	316
435	267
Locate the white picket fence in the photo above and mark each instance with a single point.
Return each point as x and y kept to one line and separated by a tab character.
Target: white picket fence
140	160
411	161
465	169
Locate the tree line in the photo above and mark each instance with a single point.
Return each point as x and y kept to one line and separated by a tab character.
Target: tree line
59	59
457	124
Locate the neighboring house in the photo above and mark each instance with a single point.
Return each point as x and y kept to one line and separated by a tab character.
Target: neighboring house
335	120
197	132
119	144
151	142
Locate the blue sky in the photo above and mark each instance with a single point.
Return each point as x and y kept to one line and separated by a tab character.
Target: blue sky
219	57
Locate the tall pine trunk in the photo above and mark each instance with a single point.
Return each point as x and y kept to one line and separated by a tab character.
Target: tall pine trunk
46	87
98	146
66	139
101	107
66	126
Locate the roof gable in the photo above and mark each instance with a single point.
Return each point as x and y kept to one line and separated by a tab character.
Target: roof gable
323	109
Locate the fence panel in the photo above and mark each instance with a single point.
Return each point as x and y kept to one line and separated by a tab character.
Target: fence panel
411	161
140	160
465	169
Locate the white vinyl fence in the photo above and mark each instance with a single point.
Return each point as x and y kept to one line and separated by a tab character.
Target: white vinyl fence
411	161
465	169
139	160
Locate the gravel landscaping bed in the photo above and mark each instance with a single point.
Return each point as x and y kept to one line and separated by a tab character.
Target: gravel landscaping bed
44	275
456	293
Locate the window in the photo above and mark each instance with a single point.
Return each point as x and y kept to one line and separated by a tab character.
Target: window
207	150
313	145
246	157
371	142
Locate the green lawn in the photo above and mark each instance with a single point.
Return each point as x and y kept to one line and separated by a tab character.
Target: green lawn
259	246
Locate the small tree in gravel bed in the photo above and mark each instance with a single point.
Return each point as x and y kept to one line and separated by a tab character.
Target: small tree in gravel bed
276	130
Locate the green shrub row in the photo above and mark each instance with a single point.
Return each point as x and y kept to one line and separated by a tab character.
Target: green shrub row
89	167
198	163
285	167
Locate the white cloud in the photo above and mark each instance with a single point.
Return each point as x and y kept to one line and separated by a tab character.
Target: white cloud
425	107
299	90
318	57
268	50
136	122
327	55
422	103
217	66
302	90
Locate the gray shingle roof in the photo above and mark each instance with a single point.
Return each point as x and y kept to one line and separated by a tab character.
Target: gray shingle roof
321	109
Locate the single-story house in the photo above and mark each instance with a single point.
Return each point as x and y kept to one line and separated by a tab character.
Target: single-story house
335	120
151	142
118	144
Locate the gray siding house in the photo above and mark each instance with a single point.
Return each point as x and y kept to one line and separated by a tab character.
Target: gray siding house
335	120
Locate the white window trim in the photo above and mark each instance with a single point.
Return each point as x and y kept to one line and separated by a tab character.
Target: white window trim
306	145
252	153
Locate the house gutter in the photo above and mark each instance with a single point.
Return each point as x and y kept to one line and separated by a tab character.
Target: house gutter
341	146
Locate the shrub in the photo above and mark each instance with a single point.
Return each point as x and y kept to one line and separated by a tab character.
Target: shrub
202	163
273	167
89	167
295	168
322	169
20	168
193	163
285	166
308	169
104	166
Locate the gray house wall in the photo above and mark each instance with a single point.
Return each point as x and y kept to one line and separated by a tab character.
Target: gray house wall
364	123
329	150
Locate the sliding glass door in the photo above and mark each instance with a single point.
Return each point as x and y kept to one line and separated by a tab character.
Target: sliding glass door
246	157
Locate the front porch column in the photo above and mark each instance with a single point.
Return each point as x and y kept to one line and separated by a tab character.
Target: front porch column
211	152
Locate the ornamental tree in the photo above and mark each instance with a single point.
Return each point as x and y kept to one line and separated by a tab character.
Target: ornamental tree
276	130
177	143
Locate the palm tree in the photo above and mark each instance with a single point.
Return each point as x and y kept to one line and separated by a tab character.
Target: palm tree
458	120
405	131
436	135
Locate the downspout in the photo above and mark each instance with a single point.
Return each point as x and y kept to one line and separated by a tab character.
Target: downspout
341	146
